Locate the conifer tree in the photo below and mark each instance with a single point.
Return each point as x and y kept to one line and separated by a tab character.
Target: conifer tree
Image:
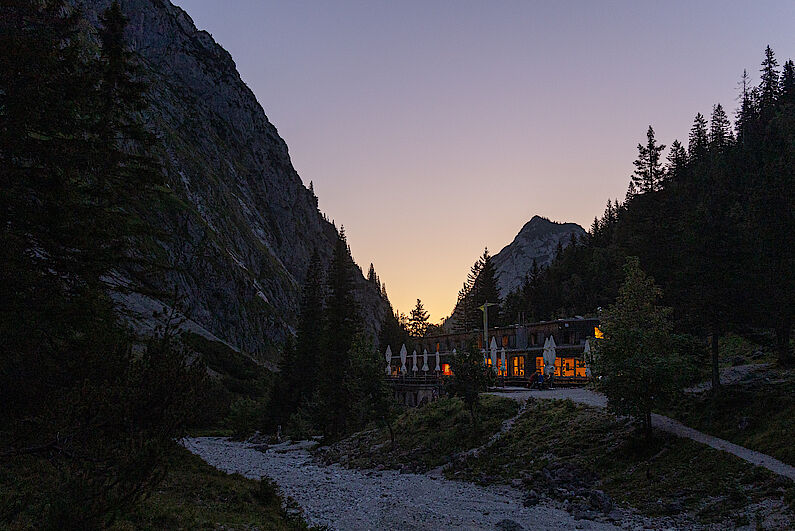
720	135
371	276
74	166
677	161
746	114
788	83
699	139
648	166
484	289
301	362
342	323
769	82
418	320
632	191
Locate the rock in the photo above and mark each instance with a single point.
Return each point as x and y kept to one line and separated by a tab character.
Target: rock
516	483
601	501
537	240
508	525
531	499
674	507
250	225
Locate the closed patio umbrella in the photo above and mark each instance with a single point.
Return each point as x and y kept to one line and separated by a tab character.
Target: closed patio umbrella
388	356
545	355
438	367
403	359
493	348
503	364
551	355
587	357
414	359
425	360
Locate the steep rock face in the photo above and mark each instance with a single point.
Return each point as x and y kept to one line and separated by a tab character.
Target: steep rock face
537	240
242	225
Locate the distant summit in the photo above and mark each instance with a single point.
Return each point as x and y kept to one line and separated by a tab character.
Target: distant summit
537	240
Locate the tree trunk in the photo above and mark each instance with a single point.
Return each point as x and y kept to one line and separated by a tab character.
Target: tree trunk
391	434
715	370
783	333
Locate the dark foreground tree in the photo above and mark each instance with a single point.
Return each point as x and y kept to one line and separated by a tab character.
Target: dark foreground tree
89	412
301	356
635	358
342	322
470	378
370	396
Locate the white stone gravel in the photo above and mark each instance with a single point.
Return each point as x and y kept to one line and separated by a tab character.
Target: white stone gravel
349	499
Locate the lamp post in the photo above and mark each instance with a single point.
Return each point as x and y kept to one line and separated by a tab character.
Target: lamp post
485	310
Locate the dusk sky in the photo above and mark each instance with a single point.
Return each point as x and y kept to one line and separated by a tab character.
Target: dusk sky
432	129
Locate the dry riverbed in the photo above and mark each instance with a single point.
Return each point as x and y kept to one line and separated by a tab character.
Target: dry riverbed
350	499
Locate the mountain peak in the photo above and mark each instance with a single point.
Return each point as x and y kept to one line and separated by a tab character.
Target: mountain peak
537	240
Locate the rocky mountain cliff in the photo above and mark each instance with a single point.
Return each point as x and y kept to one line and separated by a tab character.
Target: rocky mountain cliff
241	224
537	240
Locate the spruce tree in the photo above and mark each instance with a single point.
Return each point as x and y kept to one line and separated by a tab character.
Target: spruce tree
342	323
698	141
632	191
746	114
300	367
74	388
677	161
418	320
769	82
485	289
648	173
788	83
720	135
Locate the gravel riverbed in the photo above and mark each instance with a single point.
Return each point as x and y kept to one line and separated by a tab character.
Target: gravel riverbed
348	499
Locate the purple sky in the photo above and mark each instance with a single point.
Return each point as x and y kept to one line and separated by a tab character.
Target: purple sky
434	128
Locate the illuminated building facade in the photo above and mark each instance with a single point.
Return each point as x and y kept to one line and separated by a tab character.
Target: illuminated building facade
523	344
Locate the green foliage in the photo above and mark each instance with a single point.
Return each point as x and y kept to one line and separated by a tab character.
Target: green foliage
196	495
418	320
755	414
368	396
470	378
480	287
235	376
245	416
331	376
647	475
648	174
713	233
639	369
425	437
86	405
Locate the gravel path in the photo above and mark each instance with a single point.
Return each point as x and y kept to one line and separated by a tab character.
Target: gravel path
347	499
661	422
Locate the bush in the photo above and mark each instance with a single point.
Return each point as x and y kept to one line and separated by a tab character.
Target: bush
245	416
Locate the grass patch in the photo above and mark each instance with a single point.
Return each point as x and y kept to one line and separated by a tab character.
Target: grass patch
665	476
425	437
756	415
194	495
197	496
238	384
